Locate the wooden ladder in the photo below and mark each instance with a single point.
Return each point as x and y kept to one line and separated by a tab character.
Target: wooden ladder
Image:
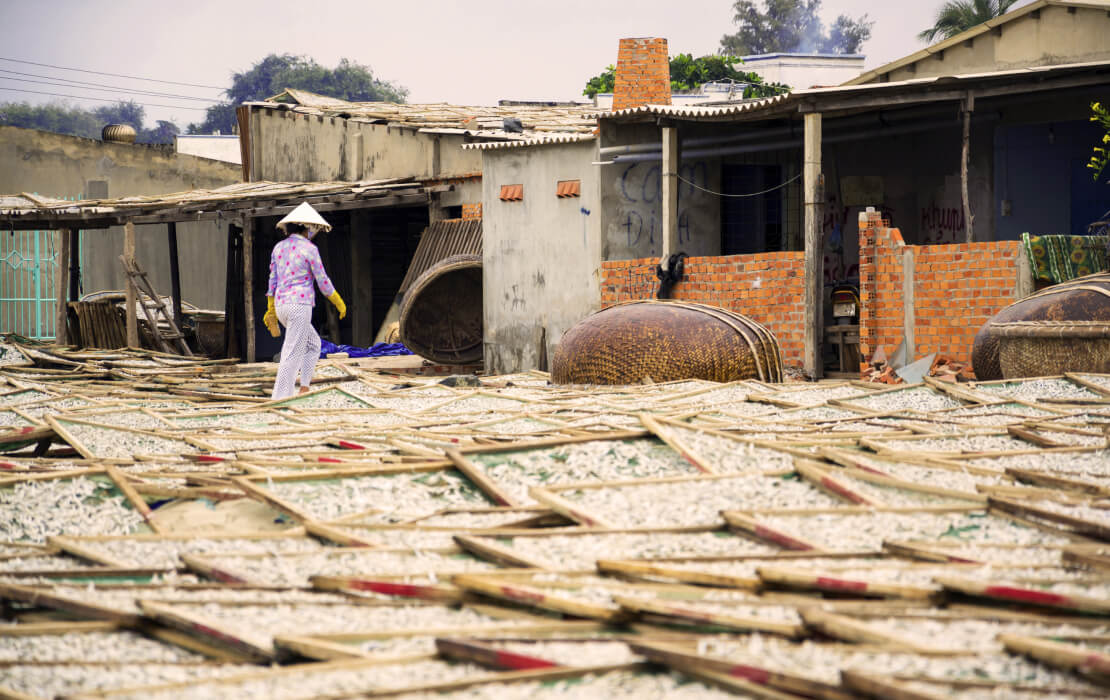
138	279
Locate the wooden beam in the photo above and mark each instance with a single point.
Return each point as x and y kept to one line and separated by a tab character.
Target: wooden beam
175	272
131	309
670	192
61	286
966	108
74	265
814	275
248	284
214	211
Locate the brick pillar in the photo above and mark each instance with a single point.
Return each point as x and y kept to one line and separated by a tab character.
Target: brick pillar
643	74
869	223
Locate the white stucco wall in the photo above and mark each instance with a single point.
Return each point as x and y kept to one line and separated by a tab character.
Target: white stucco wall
541	255
801	71
216	147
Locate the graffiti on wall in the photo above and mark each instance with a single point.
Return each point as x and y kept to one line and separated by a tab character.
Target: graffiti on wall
941	224
639	187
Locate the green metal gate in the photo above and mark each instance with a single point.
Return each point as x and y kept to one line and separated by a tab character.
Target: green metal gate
28	266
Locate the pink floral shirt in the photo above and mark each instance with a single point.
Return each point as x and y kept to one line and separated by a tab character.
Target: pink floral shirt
294	262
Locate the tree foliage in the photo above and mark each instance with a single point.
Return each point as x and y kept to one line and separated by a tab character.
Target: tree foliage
688	73
347	81
775	26
1101	157
61	118
957	16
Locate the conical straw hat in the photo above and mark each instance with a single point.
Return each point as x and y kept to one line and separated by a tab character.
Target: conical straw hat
305	214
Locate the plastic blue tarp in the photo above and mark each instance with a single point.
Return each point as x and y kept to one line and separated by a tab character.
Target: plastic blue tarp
375	350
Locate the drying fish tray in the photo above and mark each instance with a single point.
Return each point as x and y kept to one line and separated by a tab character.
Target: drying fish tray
726	572
674	501
284	492
580	549
1090	663
422	641
859	529
1026	594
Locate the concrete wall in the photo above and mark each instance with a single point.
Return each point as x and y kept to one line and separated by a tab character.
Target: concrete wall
291	147
541	255
67	166
287	146
632	200
1057	36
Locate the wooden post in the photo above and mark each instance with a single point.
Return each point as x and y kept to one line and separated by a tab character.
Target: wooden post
61	277
670	192
248	284
74	264
967	107
814	275
175	272
130	292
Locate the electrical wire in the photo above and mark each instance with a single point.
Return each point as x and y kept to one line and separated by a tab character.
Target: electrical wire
100	99
114	75
753	194
66	82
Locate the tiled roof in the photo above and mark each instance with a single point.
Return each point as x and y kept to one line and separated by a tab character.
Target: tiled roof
480	122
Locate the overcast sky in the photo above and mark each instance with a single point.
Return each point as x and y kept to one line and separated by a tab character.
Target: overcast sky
441	50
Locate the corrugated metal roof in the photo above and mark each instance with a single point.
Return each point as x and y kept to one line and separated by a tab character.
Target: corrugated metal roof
780	104
523	143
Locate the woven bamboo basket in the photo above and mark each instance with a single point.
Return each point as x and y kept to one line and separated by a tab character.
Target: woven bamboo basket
1081	300
1044	348
441	315
665	341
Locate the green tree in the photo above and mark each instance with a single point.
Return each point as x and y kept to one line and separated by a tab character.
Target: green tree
61	118
774	26
956	16
348	81
688	73
57	117
1101	156
129	113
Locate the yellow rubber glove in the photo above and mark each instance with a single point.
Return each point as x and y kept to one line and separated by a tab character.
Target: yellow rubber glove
338	302
270	318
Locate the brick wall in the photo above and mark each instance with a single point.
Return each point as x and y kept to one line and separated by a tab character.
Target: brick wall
766	287
954	288
643	74
471	211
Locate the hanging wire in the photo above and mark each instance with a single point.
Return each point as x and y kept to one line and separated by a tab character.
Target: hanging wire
722	194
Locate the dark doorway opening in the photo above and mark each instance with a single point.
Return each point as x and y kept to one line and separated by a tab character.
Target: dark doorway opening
751	224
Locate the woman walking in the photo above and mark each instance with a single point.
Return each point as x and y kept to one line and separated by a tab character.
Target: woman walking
294	264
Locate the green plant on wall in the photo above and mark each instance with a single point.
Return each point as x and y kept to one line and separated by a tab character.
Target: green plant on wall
1100	158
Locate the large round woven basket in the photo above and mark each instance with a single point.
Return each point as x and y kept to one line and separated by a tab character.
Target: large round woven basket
1084	300
441	315
1043	348
665	341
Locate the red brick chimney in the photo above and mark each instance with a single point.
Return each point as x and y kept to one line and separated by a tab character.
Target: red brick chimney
643	74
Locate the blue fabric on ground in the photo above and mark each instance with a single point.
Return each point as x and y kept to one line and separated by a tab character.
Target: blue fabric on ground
375	350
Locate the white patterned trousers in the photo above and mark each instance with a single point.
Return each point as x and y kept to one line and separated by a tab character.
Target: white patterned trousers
299	352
